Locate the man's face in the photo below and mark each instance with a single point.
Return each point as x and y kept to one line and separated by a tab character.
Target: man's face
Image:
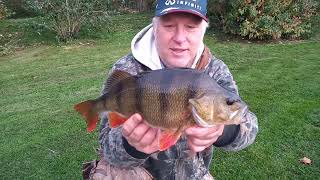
178	37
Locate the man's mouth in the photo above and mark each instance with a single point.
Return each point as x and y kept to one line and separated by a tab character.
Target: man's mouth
178	50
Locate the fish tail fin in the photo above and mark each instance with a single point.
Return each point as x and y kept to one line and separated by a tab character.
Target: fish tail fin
168	138
89	111
116	119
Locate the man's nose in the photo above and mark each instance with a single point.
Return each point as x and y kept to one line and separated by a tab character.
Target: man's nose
180	35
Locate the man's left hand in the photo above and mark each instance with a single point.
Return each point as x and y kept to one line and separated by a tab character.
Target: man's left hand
199	138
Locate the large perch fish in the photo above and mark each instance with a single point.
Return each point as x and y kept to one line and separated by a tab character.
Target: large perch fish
170	99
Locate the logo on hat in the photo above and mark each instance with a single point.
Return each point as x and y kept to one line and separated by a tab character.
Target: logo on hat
170	2
189	6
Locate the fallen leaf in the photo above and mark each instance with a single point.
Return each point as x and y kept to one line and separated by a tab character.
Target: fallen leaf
305	160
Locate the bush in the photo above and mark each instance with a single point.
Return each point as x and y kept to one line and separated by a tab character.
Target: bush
4	11
8	43
67	17
132	5
260	19
19	8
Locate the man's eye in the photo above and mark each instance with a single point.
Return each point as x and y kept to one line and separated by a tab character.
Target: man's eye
168	26
191	26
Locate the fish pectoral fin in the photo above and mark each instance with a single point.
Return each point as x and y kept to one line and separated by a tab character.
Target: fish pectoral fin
116	119
168	138
87	110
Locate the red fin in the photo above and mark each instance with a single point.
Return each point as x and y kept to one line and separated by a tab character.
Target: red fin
86	109
168	139
116	119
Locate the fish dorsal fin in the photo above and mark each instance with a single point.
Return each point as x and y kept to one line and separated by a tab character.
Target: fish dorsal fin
117	76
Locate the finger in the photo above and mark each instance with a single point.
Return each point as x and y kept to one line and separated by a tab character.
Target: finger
149	137
147	149
195	148
138	133
202	130
206	133
198	148
208	136
153	147
200	142
155	142
132	122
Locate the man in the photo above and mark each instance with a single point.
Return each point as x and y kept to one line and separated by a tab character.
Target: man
173	40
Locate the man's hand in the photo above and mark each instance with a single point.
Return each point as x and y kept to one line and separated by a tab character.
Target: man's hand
140	135
199	138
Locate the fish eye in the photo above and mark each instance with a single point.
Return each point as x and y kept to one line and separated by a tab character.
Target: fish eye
231	101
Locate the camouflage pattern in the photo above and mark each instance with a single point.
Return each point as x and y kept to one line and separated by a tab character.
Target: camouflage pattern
176	162
105	171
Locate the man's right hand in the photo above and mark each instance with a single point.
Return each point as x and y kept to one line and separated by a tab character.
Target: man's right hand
140	135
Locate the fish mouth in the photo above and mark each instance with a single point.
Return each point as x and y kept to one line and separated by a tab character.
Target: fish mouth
239	114
232	115
244	111
199	120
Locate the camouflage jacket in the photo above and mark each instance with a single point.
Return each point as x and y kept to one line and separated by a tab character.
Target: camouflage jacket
176	163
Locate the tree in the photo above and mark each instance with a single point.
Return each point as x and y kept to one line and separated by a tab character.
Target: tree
260	19
67	17
145	5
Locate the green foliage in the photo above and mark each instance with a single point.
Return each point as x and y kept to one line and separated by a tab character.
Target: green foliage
260	19
19	8
4	11
42	137
132	5
17	34
66	17
27	32
8	43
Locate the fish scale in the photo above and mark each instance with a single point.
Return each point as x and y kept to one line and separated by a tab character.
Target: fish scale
169	99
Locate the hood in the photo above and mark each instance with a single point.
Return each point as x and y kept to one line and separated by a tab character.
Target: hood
144	49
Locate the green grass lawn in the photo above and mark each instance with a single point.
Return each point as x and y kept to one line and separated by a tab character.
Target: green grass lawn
42	137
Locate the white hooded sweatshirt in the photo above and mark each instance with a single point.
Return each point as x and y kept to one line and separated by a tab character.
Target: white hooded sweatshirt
144	49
